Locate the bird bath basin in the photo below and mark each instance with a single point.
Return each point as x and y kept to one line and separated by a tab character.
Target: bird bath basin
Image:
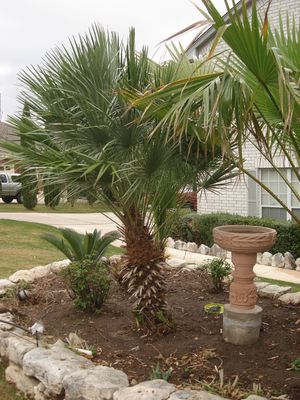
244	242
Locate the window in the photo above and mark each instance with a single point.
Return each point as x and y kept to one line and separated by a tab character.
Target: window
15	178
3	178
269	206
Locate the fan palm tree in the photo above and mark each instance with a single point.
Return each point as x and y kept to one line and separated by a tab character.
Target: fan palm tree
83	137
252	95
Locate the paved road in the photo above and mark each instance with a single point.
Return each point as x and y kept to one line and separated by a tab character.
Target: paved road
80	222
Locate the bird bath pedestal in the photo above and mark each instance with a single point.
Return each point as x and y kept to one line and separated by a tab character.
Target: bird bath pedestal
242	317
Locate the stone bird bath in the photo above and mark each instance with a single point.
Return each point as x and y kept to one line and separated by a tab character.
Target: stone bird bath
242	317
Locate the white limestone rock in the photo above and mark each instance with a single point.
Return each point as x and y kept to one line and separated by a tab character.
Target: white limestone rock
297	262
289	261
261	285
115	259
99	383
5	284
266	258
6	317
255	397
170	242
157	389
176	263
57	266
39	392
290	298
191	267
259	258
203	249
194	395
180	245
15	375
17	347
4	335
30	275
277	260
192	247
50	366
273	291
217	251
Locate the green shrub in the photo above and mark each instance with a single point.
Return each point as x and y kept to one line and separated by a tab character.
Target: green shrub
87	277
51	195
198	228
29	191
91	198
219	269
89	283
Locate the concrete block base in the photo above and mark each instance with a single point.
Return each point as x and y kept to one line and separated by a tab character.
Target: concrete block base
241	327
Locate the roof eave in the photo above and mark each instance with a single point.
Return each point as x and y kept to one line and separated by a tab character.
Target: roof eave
209	34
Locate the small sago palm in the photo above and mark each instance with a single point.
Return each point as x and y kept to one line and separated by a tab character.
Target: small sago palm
78	247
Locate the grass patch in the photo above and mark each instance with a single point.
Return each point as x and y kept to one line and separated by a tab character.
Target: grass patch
21	246
295	286
61	208
7	391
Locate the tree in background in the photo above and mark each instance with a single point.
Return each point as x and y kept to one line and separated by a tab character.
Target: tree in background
52	193
28	178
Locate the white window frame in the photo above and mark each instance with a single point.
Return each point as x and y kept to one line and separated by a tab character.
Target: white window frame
289	193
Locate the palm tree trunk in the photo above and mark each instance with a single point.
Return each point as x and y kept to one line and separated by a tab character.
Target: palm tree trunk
143	275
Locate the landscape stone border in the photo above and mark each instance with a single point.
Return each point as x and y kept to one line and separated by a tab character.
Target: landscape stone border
56	372
277	260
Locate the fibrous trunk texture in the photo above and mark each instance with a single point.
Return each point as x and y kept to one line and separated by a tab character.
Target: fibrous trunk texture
143	276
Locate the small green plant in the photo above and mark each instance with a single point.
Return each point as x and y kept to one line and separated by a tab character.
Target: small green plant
163	318
87	277
295	365
159	373
88	282
77	246
219	270
22	285
13	291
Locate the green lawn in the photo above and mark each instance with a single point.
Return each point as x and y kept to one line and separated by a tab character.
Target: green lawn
22	247
61	208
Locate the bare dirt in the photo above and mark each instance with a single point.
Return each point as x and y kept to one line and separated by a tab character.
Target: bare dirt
195	350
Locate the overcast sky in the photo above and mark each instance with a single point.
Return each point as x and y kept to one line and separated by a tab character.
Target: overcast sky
30	28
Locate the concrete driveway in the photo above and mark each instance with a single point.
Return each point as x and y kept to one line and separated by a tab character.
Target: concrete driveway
79	222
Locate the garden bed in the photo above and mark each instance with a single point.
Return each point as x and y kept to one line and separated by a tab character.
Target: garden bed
195	350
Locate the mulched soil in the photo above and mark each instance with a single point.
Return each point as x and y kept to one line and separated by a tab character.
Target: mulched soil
195	351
